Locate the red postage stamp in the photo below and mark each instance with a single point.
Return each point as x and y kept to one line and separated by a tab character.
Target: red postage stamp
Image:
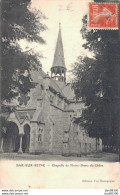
103	16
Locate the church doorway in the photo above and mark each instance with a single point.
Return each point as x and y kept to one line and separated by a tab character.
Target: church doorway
11	140
26	139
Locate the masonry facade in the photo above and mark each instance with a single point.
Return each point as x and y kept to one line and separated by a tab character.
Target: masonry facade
44	121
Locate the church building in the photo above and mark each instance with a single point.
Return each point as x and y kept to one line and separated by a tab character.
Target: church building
44	121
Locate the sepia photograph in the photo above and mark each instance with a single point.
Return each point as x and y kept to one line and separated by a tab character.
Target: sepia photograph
60	80
60	94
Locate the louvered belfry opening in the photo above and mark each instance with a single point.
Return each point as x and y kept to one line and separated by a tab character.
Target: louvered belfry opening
58	70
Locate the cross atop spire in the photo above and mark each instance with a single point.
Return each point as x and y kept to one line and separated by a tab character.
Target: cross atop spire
58	66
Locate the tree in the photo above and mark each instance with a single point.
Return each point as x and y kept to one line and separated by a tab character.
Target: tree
18	22
96	82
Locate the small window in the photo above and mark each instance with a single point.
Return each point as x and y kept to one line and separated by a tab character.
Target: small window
39	138
51	98
65	145
40	135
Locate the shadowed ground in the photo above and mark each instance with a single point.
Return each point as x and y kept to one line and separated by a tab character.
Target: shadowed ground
108	157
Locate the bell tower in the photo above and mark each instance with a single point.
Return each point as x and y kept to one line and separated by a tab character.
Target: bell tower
58	70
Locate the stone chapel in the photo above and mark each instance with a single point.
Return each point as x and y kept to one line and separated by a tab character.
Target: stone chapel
44	120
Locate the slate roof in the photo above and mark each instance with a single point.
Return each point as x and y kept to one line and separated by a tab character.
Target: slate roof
56	87
59	60
68	92
22	115
37	76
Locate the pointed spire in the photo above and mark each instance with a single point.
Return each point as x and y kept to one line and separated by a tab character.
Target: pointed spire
58	70
59	60
60	25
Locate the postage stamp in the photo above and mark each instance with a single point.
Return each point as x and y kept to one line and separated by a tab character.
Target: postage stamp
103	16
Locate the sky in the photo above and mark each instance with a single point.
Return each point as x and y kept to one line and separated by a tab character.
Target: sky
69	13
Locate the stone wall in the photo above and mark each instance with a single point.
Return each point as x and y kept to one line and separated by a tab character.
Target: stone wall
76	106
33	137
81	143
60	134
58	117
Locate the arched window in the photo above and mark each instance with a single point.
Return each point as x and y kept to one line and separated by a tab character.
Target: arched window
40	135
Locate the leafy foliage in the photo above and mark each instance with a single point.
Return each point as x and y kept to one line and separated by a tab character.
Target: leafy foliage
97	83
19	22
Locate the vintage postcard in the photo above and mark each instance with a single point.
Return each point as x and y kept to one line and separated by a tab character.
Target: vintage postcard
60	94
